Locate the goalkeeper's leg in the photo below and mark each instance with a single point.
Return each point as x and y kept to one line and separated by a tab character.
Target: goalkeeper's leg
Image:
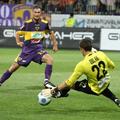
82	86
107	93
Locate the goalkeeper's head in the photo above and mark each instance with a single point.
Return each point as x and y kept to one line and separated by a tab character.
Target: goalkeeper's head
85	46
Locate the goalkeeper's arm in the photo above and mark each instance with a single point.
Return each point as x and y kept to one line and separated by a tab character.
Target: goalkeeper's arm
61	90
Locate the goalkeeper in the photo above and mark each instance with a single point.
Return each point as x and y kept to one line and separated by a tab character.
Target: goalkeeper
95	66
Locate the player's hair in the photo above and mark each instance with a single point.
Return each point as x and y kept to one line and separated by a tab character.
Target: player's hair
86	44
71	14
36	7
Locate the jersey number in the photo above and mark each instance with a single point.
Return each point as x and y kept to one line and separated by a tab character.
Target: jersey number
97	68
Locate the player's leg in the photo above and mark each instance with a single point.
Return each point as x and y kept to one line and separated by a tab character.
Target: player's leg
82	86
107	93
21	60
9	72
48	70
43	57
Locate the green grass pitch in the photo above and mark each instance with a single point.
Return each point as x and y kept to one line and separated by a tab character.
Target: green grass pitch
18	95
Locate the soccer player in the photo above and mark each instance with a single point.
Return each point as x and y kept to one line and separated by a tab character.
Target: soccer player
34	32
95	66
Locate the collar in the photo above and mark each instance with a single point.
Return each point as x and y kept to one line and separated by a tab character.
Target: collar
89	54
36	21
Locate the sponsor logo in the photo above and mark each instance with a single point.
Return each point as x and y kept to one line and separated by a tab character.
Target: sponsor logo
114	36
9	33
37	35
74	35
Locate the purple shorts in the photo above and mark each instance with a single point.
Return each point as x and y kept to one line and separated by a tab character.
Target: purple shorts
25	59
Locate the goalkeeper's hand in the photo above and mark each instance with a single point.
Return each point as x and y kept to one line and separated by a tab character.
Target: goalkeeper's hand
55	92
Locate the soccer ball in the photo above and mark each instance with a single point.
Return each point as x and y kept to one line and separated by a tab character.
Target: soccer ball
44	97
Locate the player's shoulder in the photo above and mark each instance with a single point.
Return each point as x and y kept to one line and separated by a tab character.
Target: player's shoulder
100	52
44	21
28	21
80	64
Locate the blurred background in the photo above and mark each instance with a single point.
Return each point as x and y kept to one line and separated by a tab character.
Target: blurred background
97	19
71	20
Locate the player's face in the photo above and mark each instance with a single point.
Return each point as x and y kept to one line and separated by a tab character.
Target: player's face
36	13
82	51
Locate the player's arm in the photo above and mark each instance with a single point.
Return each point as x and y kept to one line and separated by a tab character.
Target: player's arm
18	41
19	33
70	82
52	38
62	86
111	65
54	41
72	79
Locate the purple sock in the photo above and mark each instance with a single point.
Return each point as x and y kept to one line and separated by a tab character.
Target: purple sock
5	76
48	72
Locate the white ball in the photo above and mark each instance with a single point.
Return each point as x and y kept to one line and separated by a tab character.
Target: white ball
44	99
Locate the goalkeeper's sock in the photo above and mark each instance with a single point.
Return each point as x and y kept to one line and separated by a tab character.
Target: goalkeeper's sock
5	76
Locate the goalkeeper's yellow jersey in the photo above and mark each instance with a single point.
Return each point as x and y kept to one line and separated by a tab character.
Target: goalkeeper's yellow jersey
95	66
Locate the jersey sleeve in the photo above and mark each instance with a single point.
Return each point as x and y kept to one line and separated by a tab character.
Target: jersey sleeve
110	63
78	71
47	27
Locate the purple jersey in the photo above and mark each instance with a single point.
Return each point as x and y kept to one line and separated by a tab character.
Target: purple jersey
34	34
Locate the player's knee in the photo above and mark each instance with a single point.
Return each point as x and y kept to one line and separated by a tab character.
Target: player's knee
47	59
50	60
13	67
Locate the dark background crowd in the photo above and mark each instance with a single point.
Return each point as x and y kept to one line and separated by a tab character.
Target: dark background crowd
106	7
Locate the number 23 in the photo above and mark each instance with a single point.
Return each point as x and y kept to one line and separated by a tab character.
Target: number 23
97	68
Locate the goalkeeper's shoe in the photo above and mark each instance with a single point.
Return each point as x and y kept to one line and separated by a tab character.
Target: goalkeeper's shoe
49	85
117	102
